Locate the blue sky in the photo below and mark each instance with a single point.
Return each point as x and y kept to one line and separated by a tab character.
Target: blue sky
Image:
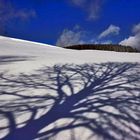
66	22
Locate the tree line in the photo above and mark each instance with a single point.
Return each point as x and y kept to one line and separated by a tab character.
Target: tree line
106	47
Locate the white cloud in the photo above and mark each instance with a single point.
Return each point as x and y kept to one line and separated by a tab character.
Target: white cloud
70	37
78	36
8	12
136	28
111	30
93	7
101	42
79	2
24	14
133	41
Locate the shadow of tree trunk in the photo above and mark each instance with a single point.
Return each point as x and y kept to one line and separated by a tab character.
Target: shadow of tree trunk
90	101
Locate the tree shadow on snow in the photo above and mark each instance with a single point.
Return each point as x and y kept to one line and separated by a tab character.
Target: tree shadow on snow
86	102
6	59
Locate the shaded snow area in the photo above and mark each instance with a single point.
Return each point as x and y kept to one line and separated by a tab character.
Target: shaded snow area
49	93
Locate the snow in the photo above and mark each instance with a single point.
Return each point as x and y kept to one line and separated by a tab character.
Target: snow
39	55
48	92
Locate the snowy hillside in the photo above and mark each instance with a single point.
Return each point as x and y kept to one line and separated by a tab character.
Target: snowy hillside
50	93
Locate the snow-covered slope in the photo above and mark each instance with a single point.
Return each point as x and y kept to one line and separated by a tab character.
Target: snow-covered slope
37	55
47	93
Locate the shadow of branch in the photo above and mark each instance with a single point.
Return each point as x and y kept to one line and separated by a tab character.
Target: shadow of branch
101	101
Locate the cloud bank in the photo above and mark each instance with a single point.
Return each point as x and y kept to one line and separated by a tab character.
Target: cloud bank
77	36
111	30
133	40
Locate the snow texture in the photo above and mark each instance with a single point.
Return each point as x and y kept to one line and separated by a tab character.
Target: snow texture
51	93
